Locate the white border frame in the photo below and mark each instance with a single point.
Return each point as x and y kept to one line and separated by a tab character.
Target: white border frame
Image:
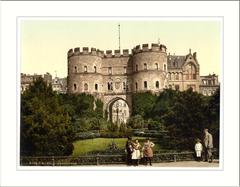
229	176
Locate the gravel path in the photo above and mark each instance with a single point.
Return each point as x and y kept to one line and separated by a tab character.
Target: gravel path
215	163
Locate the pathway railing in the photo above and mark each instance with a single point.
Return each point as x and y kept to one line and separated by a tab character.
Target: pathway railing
100	159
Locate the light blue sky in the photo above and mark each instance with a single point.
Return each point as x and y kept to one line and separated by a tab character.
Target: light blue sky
44	43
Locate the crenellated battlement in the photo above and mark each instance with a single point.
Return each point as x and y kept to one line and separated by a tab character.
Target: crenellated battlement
85	51
117	53
146	48
96	52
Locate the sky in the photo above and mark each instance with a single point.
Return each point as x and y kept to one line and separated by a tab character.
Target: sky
44	43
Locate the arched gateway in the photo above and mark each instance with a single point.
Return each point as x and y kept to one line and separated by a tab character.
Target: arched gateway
118	110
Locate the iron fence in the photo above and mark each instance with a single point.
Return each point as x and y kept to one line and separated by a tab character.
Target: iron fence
101	159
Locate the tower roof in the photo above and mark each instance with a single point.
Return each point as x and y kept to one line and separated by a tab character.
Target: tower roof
175	62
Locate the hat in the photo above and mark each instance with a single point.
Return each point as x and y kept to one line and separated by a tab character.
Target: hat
198	140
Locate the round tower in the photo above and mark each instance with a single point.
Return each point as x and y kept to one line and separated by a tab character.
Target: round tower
84	68
149	68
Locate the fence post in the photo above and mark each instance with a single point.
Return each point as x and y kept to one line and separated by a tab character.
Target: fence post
175	157
97	159
53	163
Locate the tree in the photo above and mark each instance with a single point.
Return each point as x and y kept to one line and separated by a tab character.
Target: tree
163	104
143	104
136	122
185	120
45	124
213	115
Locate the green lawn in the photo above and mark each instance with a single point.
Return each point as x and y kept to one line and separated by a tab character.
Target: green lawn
82	147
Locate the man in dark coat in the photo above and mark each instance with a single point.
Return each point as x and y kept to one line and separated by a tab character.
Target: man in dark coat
129	150
208	146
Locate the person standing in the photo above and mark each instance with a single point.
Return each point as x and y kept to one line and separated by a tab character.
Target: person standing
129	150
198	150
136	153
147	151
208	146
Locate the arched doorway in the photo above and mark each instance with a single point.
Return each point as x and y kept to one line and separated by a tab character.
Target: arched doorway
119	111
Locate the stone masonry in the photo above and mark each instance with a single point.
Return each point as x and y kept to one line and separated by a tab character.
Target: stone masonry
114	77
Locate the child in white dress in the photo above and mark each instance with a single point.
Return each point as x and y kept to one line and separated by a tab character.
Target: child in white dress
198	150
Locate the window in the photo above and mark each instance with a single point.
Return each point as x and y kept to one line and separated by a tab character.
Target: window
157	84
180	76
75	69
145	66
194	76
136	67
191	71
145	84
95	69
110	86
96	87
110	70
124	86
136	84
176	87
156	65
165	67
172	76
74	86
85	68
125	69
176	76
209	82
191	86
169	75
85	87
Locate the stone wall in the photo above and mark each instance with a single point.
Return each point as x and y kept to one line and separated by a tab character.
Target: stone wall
116	76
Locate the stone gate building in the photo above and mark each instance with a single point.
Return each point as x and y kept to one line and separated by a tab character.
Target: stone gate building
114	77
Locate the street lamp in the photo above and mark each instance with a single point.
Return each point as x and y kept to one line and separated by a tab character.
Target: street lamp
117	105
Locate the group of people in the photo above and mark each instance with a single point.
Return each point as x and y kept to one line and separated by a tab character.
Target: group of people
135	152
206	148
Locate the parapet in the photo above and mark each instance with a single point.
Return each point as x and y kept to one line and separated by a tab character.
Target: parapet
109	53
117	53
125	52
85	51
145	48
96	52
